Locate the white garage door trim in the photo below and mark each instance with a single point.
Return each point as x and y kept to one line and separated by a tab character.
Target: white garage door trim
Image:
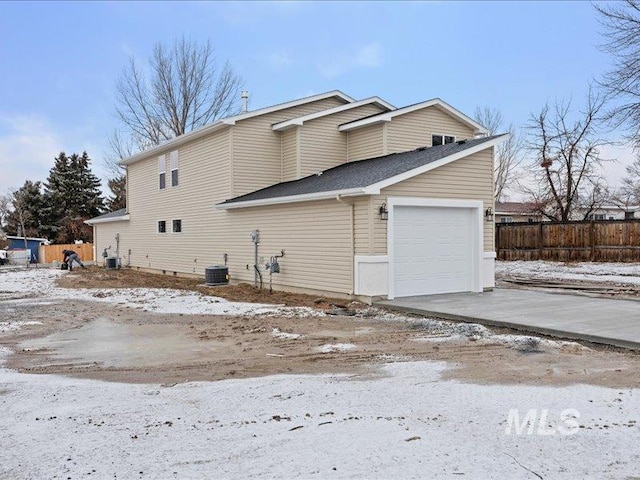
476	242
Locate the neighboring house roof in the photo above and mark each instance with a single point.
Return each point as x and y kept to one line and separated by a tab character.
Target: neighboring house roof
33	239
364	177
115	216
516	208
389	116
228	121
287	124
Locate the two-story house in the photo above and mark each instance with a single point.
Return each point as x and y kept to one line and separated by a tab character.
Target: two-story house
366	200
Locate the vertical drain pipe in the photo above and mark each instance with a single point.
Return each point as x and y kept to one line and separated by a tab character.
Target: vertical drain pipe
255	238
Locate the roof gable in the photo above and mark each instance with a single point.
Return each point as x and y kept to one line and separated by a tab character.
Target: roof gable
287	124
229	121
363	177
389	116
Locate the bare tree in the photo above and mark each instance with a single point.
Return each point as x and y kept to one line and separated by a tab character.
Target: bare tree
566	160
621	22
185	88
508	154
629	193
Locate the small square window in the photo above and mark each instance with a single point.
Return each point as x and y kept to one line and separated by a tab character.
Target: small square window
449	139
177	226
162	226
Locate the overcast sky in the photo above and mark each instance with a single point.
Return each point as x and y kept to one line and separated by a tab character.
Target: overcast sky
59	61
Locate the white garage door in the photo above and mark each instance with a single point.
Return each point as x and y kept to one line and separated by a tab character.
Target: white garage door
433	250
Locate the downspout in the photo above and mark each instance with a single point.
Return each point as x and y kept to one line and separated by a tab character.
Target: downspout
352	237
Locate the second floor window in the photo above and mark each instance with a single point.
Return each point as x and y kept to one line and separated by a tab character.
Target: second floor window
162	171
162	226
174	168
441	139
177	226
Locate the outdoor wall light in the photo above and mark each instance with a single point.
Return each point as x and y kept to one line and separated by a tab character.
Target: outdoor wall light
488	214
384	213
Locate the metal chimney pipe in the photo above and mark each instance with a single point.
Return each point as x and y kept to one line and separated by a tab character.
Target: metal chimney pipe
245	100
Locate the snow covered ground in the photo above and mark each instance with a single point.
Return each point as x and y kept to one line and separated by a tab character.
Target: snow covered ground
14	285
402	422
625	273
408	423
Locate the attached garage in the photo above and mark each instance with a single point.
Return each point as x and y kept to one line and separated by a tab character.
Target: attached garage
434	246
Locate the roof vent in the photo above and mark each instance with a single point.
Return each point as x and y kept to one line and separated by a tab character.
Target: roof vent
420	149
460	142
245	101
318	174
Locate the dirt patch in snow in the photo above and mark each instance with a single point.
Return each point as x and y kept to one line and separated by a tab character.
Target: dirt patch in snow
94	277
115	343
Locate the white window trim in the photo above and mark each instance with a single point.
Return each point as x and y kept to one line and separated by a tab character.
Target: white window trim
477	244
162	168
174	167
158	232
455	139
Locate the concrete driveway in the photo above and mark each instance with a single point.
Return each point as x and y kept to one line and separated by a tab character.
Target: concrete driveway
600	320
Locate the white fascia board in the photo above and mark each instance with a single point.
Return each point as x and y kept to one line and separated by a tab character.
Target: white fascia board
376	187
281	126
294	103
123	218
176	142
352	192
230	121
387	117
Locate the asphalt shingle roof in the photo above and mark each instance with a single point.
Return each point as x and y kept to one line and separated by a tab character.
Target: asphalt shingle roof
362	173
115	213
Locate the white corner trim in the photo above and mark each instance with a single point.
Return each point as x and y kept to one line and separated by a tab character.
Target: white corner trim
122	218
282	126
370	274
376	187
478	227
412	108
489	255
292	199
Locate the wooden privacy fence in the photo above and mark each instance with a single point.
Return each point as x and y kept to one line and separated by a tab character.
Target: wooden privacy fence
51	253
596	241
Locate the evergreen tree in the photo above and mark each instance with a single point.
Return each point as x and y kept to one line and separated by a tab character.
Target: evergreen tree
72	195
27	207
118	187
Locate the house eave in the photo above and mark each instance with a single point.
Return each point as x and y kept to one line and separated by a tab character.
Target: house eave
230	121
387	117
352	192
122	218
288	124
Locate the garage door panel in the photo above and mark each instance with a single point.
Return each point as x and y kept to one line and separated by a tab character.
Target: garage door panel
432	250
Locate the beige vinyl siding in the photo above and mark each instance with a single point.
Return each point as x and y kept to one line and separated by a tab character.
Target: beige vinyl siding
104	237
412	130
316	237
366	142
322	145
257	149
362	240
290	154
469	178
204	181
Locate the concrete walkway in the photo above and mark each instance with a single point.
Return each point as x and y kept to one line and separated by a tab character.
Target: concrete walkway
599	320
